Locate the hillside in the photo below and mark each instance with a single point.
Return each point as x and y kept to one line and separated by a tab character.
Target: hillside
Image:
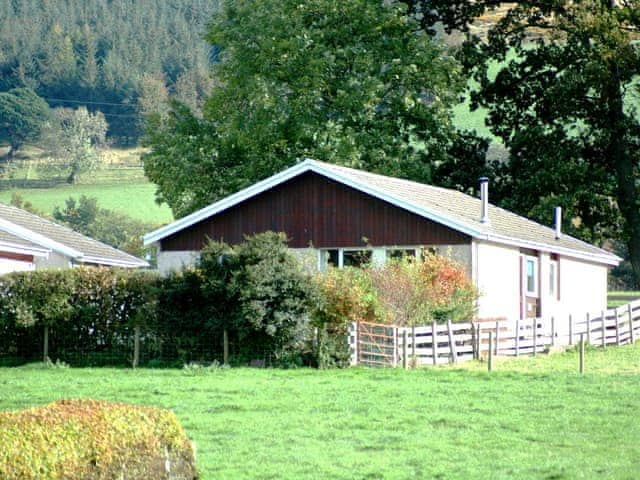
110	55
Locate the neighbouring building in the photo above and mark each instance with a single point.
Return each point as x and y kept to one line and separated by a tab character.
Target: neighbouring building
30	242
341	216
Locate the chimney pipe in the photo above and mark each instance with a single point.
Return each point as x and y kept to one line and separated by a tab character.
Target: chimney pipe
558	222
484	200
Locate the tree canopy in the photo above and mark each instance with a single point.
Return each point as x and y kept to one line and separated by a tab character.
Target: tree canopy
355	82
23	115
559	81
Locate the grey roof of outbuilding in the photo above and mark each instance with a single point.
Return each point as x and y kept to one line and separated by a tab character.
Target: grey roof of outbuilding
452	208
20	227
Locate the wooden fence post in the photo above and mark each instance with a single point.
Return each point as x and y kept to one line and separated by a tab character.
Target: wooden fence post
395	347
615	312
570	330
497	336
45	346
588	329
478	341
581	353
452	343
225	347
490	359
357	340
604	329
405	335
413	342
630	310
434	342
553	331
474	352
535	336
136	347
517	337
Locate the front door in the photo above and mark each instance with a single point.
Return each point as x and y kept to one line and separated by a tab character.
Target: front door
529	286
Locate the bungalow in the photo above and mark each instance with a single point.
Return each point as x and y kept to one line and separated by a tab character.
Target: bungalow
29	242
341	216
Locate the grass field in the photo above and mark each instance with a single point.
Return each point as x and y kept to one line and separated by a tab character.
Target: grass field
619	298
135	199
529	419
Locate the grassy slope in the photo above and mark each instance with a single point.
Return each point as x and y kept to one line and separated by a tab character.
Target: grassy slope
529	419
135	199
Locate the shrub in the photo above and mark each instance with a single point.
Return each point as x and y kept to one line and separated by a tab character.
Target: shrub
258	291
94	440
416	292
345	295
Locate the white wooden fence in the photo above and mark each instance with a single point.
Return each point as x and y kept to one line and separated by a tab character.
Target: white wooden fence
388	345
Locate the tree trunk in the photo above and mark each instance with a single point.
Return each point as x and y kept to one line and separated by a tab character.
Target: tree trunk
626	191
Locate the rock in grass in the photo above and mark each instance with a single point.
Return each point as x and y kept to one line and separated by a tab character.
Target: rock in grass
87	439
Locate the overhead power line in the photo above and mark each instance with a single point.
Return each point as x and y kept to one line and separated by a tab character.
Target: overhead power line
87	102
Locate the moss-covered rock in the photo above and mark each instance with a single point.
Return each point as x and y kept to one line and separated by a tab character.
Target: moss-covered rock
87	439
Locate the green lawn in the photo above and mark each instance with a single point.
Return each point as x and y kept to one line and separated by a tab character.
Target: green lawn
135	199
530	418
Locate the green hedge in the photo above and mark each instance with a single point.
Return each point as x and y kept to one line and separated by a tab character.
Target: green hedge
94	440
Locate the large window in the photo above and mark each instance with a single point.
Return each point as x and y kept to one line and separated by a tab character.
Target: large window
344	257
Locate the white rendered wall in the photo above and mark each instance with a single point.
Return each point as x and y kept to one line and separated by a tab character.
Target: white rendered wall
583	289
8	265
176	260
54	260
496	274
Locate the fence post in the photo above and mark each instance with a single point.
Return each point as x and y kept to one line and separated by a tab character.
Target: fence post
570	330
517	337
581	353
535	336
497	336
452	343
478	342
357	340
588	328
45	346
615	312
630	310
395	347
404	348
225	347
434	342
474	352
136	347
490	359
553	331
413	342
604	329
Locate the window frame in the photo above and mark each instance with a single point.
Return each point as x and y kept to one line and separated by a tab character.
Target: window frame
535	274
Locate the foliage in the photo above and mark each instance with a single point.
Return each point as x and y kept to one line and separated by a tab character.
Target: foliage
75	138
108	226
84	307
416	292
344	296
23	114
258	290
564	101
97	52
94	439
297	80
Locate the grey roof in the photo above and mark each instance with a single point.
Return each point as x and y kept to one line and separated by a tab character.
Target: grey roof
19	227
451	208
465	210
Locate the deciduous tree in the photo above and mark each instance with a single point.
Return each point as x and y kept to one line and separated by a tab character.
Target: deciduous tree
354	82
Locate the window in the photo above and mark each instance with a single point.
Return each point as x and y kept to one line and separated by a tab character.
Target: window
553	278
400	253
340	257
531	276
355	258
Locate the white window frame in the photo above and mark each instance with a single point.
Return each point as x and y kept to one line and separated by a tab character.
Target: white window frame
536	272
